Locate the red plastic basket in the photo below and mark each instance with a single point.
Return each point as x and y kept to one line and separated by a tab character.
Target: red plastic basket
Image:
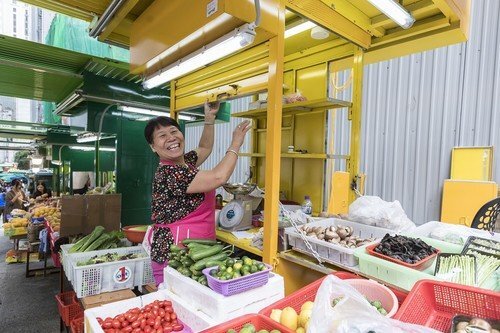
420	265
69	307
259	321
433	304
77	324
308	293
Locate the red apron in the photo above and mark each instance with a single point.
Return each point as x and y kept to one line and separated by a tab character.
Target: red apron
197	224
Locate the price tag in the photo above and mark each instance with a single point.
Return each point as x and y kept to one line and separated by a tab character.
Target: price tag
211	8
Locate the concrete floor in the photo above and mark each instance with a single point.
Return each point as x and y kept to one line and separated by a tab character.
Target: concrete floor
27	305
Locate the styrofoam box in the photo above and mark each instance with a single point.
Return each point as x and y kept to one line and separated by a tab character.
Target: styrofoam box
462	231
221	308
125	274
195	320
66	257
330	252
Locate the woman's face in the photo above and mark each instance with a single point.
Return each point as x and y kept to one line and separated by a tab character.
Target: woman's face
39	188
168	143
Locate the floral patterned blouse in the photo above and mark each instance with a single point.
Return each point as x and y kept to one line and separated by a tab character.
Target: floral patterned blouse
170	202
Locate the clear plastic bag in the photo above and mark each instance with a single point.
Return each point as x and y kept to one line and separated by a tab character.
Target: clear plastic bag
374	211
352	314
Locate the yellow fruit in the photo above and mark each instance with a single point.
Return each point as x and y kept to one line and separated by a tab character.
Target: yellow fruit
307	305
289	318
304	316
300	330
307	326
276	315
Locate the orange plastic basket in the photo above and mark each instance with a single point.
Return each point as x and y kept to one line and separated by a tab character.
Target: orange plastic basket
259	321
434	303
77	324
68	306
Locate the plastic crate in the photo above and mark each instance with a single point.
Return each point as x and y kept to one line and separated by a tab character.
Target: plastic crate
125	274
238	285
77	324
330	252
398	275
420	265
68	306
259	321
67	258
433	304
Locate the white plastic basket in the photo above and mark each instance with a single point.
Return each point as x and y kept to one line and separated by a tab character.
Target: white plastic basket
330	252
125	274
195	320
66	256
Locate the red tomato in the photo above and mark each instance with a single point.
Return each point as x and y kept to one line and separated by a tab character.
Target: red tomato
167	329
125	323
147	329
99	320
127	329
150	322
167	317
155	306
107	324
169	309
143	323
174	322
173	316
161	313
157	323
155	312
116	323
137	330
120	318
167	303
135	324
178	327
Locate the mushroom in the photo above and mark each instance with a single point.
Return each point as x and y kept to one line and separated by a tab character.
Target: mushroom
342	232
329	234
481	323
462	325
321	235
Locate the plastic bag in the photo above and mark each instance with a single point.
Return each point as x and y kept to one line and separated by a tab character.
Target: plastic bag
146	242
352	314
374	211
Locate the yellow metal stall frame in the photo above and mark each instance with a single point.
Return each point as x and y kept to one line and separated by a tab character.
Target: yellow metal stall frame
267	66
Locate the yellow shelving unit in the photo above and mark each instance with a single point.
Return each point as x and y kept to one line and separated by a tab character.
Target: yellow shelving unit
243	244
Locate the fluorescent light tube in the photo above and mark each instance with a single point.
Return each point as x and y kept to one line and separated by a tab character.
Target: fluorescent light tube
150	113
83	148
220	48
299	28
395	12
86	137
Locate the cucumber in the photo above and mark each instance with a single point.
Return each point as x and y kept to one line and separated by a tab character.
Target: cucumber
199	241
197	246
213	263
198	255
174	264
174	248
199	265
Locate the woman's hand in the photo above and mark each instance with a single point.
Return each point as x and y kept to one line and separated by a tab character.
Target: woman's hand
239	134
211	109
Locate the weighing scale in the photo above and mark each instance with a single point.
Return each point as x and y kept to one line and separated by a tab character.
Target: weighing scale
237	214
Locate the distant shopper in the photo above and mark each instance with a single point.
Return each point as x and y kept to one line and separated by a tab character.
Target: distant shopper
41	192
14	198
183	198
81	182
2	201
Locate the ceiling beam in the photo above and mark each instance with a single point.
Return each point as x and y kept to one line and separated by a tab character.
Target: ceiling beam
63	8
117	19
327	17
417	9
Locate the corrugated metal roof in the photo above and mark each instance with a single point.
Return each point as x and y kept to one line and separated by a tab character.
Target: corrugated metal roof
417	108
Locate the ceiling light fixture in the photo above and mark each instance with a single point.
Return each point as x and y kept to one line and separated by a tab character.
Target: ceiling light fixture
218	49
91	137
151	113
297	29
395	12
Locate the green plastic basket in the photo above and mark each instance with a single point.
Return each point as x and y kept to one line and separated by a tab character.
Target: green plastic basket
398	275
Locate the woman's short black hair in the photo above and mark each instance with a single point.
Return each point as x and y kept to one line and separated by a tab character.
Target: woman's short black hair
157	122
15	182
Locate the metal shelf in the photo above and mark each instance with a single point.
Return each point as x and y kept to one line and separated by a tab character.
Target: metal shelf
244	244
298	155
299	107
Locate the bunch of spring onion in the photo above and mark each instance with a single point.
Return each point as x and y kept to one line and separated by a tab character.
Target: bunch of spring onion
486	266
458	269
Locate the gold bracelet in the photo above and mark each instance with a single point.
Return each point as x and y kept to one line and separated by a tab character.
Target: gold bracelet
232	151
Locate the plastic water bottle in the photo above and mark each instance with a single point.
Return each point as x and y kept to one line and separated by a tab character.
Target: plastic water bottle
307	205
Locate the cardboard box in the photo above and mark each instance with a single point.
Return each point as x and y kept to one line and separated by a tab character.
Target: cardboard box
221	308
82	213
195	320
105	298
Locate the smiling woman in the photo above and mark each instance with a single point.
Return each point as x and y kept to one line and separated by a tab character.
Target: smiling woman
183	199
